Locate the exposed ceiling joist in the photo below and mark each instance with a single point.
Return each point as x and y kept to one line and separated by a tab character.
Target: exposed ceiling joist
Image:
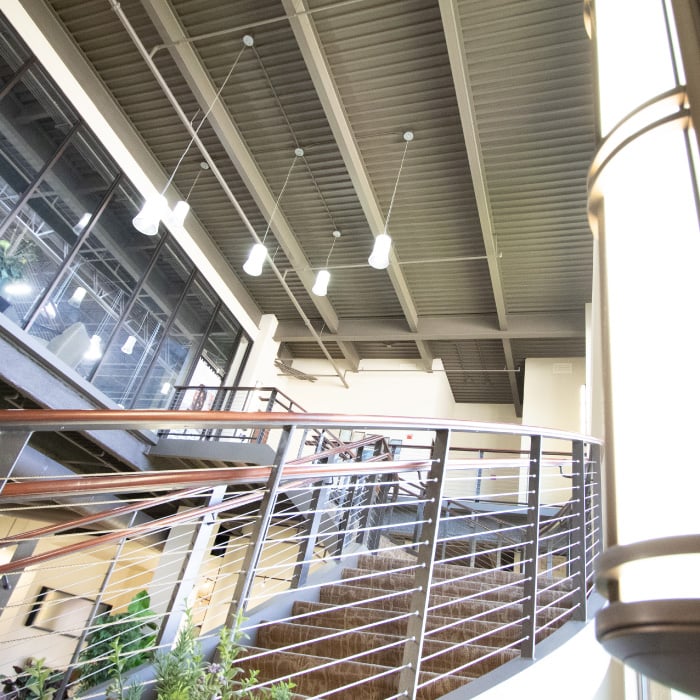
460	76
472	327
198	80
320	72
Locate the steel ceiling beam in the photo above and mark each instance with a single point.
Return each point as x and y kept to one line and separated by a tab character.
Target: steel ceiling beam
319	69
460	76
446	328
198	80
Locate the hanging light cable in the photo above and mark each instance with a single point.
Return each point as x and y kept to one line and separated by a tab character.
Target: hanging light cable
379	259
155	208
182	208
323	276
258	253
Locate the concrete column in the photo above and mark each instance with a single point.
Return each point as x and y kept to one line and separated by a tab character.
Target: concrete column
260	368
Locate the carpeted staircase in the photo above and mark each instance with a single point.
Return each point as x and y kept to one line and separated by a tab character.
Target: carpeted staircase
474	626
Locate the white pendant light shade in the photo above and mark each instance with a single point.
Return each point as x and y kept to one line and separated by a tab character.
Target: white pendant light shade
147	220
94	351
180	212
77	297
129	344
256	258
50	310
320	288
82	223
379	259
167	386
18	288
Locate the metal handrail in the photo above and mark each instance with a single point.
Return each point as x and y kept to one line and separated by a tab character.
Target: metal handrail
80	419
308	513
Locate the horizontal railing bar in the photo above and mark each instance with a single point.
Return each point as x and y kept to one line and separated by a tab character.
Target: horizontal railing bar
326	637
87	519
128	532
63	419
486	513
330	664
456	670
494	631
373	507
556	619
113	483
478	595
292	618
476	463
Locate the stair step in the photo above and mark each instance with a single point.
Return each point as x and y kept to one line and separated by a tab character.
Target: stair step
480	658
451	588
375	562
485	632
321	675
493	610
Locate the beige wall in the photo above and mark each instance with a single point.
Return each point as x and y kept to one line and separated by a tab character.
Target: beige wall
80	575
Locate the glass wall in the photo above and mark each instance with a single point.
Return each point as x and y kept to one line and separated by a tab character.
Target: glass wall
127	312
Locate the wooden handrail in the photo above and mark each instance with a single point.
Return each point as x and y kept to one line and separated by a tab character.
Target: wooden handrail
125	483
62	420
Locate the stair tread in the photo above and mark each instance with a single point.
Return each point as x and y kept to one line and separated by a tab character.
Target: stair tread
317	680
341	593
443	586
325	614
450	571
285	633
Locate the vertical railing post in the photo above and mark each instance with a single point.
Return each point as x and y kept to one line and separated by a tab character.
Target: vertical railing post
23	549
344	535
260	529
578	550
312	525
380	514
368	498
596	482
12	445
413	650
527	648
191	566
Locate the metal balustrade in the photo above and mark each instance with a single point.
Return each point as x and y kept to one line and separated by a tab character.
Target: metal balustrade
352	571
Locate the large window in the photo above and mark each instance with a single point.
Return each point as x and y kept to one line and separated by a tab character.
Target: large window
127	312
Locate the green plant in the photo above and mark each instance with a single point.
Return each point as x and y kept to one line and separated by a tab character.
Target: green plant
34	680
179	671
132	633
12	264
181	674
116	690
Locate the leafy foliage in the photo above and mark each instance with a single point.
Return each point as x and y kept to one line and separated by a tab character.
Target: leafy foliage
118	643
33	681
12	264
181	674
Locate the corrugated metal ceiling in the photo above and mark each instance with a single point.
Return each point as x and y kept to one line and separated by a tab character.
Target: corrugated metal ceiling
388	68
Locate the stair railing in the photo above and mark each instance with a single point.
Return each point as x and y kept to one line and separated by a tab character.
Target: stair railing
345	586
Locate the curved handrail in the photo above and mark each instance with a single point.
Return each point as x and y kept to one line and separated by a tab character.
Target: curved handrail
614	558
82	419
113	483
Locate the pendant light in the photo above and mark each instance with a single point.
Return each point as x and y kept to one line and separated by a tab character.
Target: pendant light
323	276
256	259
379	259
77	297
129	344
155	208
94	351
258	253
